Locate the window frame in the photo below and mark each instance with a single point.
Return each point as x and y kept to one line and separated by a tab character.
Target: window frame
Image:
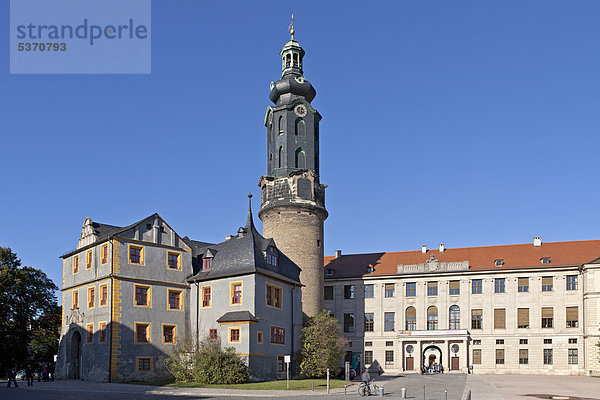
389	325
369	322
89	258
210	334
477	319
432	290
101	303
131	246
180	295
259	337
571	282
276	333
92	297
203	296
89	332
148	295
548	357
328	288
411	289
102	331
573	356
389	357
500	361
271	291
349	327
104	254
455	291
369	291
75	298
148	332
499	285
476	286
150	364
548	288
232	293
389	293
523	356
75	264
348	293
476	356
177	260
174	333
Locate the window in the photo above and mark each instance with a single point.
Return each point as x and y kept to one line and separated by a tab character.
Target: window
476	342
476	356
476	286
454	317
499	318
234	335
499	341
547	341
281	153
206	264
330	272
454	287
280	125
432	288
89	328
236	293
368	357
546	283
573	357
547	356
389	290
75	298
499	285
136	254
277	335
523	284
328	292
142	296
104	254
349	291
499	262
522	317
545	260
547	317
523	341
572	340
76	264
476	319
411	289
369	291
389	321
369	322
148	226
169	333
411	319
212	334
280	364
274	296
206	297
271	256
144	363
389	357
102	332
368	344
389	344
103	295
499	356
259	337
571	282
88	259
173	260
349	322
175	299
523	356
142	332
91	295
432	318
572	317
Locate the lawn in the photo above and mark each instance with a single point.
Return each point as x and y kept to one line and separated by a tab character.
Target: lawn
295	384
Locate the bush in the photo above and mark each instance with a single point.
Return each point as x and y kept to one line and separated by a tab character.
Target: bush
209	365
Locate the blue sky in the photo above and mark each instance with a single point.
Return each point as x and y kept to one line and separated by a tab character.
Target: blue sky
464	122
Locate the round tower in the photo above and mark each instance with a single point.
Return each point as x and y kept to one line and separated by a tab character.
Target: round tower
293	199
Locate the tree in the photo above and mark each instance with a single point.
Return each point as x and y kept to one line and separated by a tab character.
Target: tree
323	345
29	312
210	364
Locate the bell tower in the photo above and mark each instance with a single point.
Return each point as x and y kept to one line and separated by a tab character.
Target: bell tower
293	199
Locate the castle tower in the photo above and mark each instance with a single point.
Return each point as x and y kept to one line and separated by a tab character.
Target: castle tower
293	199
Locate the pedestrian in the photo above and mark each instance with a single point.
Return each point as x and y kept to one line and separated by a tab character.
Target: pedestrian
12	376
52	372
45	373
39	373
29	375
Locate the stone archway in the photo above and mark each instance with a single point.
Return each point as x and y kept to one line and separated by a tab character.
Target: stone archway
74	357
431	355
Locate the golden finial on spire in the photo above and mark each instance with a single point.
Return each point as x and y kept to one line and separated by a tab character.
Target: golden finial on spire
291	27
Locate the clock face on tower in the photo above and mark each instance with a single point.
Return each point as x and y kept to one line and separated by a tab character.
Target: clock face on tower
300	110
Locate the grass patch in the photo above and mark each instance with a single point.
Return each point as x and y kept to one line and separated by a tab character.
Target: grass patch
295	384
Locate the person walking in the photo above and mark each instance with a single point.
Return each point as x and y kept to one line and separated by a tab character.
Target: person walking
45	373
12	376
29	375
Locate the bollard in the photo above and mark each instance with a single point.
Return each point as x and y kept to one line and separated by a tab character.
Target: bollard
380	391
344	390
423	392
446	392
313	386
403	393
327	380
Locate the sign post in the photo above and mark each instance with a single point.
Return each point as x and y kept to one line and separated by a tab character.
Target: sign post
287	359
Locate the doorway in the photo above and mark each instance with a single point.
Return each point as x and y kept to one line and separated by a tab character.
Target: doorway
431	355
74	357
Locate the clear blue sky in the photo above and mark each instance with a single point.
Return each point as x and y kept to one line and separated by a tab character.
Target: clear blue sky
463	122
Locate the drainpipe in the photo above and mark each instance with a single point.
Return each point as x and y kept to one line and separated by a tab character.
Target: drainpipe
292	303
197	313
584	330
110	336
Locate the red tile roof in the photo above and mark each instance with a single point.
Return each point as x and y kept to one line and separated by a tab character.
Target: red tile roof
515	256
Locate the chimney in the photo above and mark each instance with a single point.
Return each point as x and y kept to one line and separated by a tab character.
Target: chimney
424	249
537	241
338	253
228	237
442	248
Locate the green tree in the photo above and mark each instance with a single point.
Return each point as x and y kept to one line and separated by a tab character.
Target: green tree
323	345
29	313
210	364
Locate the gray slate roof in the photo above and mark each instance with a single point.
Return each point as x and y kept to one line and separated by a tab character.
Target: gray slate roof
235	316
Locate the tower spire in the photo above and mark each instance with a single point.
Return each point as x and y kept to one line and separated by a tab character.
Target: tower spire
249	221
291	27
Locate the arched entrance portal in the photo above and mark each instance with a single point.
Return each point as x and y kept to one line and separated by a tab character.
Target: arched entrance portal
74	357
431	355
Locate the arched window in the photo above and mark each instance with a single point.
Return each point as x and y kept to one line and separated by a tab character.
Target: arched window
295	59
432	318
288	60
280	157
270	162
411	319
300	127
454	319
300	158
280	125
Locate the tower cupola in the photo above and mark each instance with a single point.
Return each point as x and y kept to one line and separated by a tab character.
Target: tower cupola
291	58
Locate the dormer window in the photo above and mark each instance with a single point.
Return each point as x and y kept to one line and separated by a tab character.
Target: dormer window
206	264
545	260
499	262
370	269
330	272
271	256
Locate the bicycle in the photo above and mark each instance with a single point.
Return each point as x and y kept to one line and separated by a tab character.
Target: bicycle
368	389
